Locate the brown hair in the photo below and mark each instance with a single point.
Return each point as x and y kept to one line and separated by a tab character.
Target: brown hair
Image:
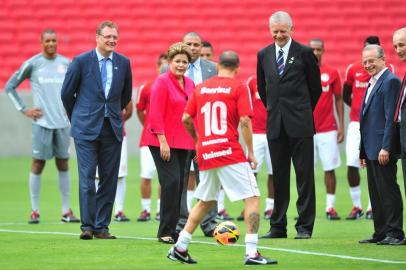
179	48
105	24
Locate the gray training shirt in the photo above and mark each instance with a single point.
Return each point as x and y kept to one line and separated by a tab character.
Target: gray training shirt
46	78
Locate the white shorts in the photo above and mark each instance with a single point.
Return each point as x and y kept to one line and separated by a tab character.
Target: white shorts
352	144
261	152
123	170
237	180
147	163
326	149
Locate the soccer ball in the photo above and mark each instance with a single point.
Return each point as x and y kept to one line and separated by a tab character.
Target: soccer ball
226	233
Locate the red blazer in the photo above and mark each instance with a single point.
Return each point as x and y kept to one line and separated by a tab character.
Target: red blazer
167	103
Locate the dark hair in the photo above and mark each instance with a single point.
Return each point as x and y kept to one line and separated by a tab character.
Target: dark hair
105	24
318	40
207	44
47	31
161	57
229	59
372	40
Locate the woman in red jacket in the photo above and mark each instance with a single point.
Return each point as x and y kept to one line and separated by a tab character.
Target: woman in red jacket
167	139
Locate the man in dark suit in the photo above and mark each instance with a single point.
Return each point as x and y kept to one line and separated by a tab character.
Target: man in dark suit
289	86
399	42
199	70
378	148
97	87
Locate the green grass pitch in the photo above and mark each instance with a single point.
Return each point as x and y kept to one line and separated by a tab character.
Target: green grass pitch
54	245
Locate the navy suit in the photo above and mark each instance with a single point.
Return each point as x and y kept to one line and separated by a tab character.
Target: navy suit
378	132
97	138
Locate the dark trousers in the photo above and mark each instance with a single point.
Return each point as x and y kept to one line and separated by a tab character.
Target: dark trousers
404	173
209	221
104	152
386	200
283	150
171	177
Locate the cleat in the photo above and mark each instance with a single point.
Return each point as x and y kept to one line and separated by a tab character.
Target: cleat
268	214
68	217
144	216
241	216
223	215
121	217
34	218
158	217
258	260
331	214
356	213
369	214
182	257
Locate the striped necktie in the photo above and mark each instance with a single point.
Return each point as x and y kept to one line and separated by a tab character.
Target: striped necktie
280	63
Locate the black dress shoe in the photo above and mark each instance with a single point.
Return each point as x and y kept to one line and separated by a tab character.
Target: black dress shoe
270	235
303	235
104	235
389	240
166	240
369	241
86	235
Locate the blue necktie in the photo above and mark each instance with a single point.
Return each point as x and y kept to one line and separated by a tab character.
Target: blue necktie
280	63
191	75
104	73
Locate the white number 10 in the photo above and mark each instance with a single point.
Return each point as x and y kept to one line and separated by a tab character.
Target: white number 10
211	125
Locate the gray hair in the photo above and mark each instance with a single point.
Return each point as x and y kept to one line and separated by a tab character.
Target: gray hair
281	17
400	31
192	35
375	47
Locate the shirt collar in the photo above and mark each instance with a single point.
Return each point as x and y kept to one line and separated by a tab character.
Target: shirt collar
196	64
378	75
284	48
101	57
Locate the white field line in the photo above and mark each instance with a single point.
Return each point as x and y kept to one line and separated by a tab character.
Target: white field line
295	251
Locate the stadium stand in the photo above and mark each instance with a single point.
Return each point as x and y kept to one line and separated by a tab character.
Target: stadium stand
149	27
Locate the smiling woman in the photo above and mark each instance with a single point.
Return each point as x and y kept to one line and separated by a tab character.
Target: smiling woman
166	137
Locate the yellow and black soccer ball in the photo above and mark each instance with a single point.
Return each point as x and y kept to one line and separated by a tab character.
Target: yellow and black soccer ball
226	233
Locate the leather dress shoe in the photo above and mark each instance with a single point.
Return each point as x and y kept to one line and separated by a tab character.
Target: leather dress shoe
369	241
104	235
166	240
303	235
389	240
271	235
86	235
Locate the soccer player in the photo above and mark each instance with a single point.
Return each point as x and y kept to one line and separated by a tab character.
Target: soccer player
260	142
207	51
355	84
146	161
328	133
218	106
50	126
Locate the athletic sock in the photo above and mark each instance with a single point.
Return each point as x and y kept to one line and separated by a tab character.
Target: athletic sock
189	199
35	187
64	188
251	241
146	205
269	203
183	241
355	193
158	205
220	202
120	194
330	201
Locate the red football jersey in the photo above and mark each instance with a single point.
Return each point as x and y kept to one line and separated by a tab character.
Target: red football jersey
260	114
217	105
356	76
323	114
142	104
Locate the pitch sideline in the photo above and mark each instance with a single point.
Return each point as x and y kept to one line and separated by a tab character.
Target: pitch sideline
296	251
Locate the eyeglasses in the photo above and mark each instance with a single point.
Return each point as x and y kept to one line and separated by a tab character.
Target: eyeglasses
109	37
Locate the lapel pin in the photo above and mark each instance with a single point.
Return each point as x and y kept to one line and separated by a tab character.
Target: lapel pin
291	60
115	68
